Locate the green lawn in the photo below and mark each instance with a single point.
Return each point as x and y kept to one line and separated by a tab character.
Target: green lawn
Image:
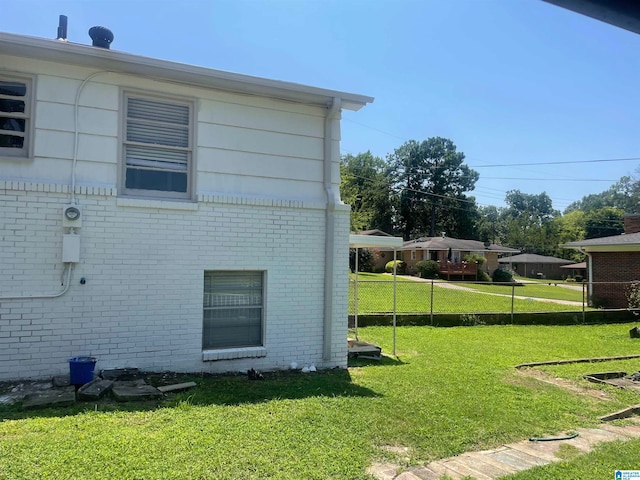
450	390
375	294
532	290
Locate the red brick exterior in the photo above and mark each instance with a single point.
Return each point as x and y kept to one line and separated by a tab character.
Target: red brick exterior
613	267
631	223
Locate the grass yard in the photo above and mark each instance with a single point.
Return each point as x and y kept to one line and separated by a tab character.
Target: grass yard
375	293
532	290
450	390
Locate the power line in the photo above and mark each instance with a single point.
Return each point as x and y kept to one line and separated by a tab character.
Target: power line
552	179
567	162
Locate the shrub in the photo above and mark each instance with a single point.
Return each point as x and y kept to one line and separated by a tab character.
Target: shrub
428	268
401	267
633	297
501	276
475	258
578	278
471	320
483	276
365	260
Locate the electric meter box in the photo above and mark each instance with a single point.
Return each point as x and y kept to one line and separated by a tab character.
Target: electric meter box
71	216
70	248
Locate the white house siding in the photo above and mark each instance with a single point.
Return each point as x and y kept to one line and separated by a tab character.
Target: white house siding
259	188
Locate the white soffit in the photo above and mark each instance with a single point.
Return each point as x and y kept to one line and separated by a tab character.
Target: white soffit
373	241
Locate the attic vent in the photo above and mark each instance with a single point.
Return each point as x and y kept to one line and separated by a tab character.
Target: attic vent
101	36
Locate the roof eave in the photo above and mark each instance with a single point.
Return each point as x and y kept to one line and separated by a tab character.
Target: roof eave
629	247
120	62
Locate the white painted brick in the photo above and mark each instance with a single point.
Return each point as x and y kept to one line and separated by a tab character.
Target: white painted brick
142	303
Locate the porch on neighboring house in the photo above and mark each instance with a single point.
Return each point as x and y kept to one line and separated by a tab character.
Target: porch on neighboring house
458	269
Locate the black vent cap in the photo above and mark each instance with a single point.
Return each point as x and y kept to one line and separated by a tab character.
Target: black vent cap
101	36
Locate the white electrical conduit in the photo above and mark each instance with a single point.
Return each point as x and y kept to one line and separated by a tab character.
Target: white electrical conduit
77	133
66	284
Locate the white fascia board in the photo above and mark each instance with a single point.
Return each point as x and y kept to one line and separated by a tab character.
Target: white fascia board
120	62
610	248
373	241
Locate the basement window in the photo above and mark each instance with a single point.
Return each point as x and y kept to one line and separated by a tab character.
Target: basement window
15	116
233	307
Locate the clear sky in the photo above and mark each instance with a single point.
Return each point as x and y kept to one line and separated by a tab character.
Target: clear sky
509	81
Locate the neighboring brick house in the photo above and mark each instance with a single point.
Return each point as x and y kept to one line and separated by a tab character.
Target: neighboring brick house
187	193
532	265
612	259
448	250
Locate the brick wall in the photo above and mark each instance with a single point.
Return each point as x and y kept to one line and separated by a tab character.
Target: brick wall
632	223
143	263
614	267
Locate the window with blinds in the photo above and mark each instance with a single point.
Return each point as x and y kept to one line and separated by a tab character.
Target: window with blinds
15	108
157	147
233	309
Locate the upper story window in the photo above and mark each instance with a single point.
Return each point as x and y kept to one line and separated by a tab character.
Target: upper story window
15	116
157	147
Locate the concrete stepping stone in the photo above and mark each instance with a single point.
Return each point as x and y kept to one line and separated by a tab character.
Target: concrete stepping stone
55	397
439	469
136	390
95	389
424	473
383	471
485	464
464	469
543	450
517	460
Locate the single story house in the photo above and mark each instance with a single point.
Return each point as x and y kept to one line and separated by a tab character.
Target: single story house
612	262
451	252
575	269
151	215
532	265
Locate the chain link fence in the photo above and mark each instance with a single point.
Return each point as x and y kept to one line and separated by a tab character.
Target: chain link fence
370	297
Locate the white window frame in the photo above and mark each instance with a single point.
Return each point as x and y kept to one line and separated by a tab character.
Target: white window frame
237	349
190	149
27	150
413	254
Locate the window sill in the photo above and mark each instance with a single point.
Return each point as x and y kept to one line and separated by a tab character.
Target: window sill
155	203
233	353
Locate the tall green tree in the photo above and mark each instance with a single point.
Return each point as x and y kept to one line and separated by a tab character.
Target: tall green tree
528	222
430	181
623	195
604	222
365	186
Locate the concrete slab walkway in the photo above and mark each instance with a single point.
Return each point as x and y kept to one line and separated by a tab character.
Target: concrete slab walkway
511	458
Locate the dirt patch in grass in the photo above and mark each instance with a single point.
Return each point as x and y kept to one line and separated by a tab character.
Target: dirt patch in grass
564	383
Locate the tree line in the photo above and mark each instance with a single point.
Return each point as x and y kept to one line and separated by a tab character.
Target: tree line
423	189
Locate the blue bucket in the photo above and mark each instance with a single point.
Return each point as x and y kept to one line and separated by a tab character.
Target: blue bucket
81	370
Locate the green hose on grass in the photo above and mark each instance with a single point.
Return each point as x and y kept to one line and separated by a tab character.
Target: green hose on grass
552	439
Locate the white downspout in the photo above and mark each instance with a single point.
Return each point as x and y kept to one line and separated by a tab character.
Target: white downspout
590	264
333	198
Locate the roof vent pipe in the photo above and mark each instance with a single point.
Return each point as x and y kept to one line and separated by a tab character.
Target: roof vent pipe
62	28
101	36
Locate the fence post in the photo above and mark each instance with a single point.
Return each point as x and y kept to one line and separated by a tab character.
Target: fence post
432	302
513	296
583	297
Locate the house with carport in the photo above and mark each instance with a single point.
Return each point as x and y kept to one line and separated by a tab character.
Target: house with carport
612	263
152	213
532	265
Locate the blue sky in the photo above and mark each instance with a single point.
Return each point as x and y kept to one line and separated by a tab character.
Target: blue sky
509	81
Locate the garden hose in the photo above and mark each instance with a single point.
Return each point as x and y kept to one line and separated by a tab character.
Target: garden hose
552	439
